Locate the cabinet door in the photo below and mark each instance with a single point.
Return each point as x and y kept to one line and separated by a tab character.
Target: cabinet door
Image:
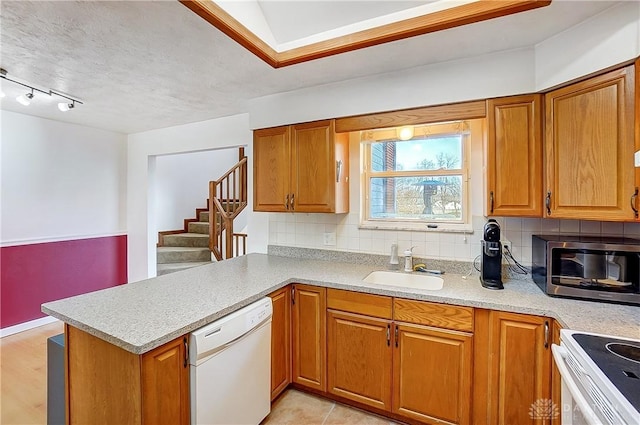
556	379
271	169
165	384
432	370
636	113
514	156
309	336
520	390
589	148
314	168
280	341
359	358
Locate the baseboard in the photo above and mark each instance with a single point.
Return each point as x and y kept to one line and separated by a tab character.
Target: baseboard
20	327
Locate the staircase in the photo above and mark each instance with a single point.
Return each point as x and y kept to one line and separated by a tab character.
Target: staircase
209	236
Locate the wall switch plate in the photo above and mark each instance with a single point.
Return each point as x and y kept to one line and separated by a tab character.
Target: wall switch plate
330	238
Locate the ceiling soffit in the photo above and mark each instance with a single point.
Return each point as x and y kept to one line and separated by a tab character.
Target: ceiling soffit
469	13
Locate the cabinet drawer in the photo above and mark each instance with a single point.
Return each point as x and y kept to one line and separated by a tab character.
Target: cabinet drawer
356	302
433	314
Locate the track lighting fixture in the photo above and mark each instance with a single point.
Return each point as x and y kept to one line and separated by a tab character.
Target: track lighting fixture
25	99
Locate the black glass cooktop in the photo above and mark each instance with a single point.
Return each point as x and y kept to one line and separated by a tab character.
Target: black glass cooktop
618	359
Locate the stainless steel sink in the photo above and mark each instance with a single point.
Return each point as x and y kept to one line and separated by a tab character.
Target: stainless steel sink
405	280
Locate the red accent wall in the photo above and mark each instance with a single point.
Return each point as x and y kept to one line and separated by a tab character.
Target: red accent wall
34	274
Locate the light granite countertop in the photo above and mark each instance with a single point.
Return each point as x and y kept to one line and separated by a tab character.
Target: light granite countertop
143	315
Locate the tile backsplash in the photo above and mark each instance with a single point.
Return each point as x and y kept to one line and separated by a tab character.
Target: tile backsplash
308	231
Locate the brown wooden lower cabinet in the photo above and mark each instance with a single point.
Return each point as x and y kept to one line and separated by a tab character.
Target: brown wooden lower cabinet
359	358
432	370
309	336
106	384
518	387
556	380
418	372
280	341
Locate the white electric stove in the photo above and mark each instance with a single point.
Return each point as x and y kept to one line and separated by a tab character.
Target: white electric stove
600	378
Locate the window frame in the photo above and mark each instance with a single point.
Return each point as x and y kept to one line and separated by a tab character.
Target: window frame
439	129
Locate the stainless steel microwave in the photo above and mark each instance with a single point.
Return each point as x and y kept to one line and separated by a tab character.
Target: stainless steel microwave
596	268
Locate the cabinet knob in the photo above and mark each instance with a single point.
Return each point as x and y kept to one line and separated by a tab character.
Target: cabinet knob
286	201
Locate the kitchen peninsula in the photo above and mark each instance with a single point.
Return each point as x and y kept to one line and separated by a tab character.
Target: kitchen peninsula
137	319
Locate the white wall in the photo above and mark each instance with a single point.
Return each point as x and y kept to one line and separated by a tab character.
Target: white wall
143	149
60	181
182	184
481	77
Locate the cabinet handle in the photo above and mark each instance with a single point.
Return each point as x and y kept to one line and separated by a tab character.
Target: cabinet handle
286	202
546	334
186	352
293	295
396	336
388	335
292	204
491	201
634	198
548	202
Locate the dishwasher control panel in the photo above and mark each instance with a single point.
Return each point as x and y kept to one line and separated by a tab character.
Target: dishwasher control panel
215	336
259	314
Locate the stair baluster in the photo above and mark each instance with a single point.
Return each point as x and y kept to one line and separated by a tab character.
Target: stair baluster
227	199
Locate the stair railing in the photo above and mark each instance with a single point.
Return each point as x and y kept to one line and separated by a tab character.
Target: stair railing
227	199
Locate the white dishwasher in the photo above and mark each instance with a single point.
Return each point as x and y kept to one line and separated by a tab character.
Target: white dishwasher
230	367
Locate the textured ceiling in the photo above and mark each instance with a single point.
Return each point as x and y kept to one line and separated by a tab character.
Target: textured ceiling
147	65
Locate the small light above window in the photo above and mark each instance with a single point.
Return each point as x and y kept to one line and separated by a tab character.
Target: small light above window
405	133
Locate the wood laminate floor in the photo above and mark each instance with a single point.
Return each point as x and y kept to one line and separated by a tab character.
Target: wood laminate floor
23	375
23	385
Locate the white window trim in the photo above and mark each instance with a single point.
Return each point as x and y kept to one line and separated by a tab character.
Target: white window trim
463	226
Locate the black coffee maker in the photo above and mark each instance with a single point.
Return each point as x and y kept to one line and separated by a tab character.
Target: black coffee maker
491	262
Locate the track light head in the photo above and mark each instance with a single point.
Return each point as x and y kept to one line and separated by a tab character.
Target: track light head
25	99
64	106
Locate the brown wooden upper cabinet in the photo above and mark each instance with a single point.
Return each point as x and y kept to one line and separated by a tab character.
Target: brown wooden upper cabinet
301	168
589	149
513	155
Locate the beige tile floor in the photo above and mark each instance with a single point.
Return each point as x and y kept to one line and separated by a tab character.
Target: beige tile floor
298	408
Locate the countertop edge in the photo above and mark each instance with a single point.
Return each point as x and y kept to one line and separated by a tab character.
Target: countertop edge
273	279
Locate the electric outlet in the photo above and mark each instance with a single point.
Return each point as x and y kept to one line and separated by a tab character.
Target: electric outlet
330	238
506	246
